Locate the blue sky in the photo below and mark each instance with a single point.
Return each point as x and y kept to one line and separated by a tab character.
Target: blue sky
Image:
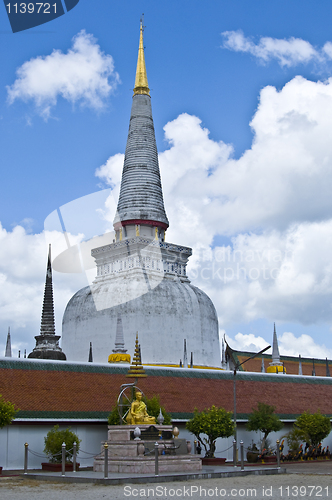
254	188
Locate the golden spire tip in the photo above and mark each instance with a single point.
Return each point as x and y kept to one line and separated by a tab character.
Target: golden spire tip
141	80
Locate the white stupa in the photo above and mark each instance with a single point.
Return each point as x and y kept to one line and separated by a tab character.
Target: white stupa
140	276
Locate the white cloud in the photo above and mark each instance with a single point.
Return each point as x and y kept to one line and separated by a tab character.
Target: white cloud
288	52
110	172
23	259
327	49
248	342
289	345
285	276
84	74
274	204
283	178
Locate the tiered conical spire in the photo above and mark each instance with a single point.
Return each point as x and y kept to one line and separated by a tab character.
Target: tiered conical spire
47	325
47	343
136	368
141	198
119	339
8	353
276	366
120	353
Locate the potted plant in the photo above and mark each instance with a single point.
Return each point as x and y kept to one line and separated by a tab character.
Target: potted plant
268	454
209	425
252	453
53	448
7	414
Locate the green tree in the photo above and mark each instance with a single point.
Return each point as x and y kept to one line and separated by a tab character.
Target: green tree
7	412
313	427
265	420
152	407
53	444
294	439
214	423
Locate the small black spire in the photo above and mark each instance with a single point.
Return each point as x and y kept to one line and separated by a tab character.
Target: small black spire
90	360
47	343
185	358
8	352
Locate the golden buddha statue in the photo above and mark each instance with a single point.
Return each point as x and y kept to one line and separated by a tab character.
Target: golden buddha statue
137	413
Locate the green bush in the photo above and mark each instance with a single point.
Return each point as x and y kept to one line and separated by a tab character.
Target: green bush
114	417
153	408
294	439
7	412
53	444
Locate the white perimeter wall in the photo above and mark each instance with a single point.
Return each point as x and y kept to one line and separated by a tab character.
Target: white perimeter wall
224	447
13	437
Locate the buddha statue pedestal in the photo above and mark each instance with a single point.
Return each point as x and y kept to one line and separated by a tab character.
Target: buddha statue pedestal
129	455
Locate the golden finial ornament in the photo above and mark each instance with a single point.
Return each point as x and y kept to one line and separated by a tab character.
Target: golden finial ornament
141	80
136	368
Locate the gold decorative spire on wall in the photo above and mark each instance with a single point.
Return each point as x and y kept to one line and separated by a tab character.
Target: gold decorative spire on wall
136	368
141	80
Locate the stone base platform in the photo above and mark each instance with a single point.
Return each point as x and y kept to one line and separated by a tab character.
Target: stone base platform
128	455
123	432
146	464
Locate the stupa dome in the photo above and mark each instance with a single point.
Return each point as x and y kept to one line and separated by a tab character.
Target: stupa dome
163	317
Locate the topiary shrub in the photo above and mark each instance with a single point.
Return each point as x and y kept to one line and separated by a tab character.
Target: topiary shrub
53	444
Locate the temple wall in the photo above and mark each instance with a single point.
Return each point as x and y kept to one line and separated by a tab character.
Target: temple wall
83	394
13	437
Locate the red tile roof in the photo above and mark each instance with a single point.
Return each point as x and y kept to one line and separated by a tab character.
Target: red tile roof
291	363
46	389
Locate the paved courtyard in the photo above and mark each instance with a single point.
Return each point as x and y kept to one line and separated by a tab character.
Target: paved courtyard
305	480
